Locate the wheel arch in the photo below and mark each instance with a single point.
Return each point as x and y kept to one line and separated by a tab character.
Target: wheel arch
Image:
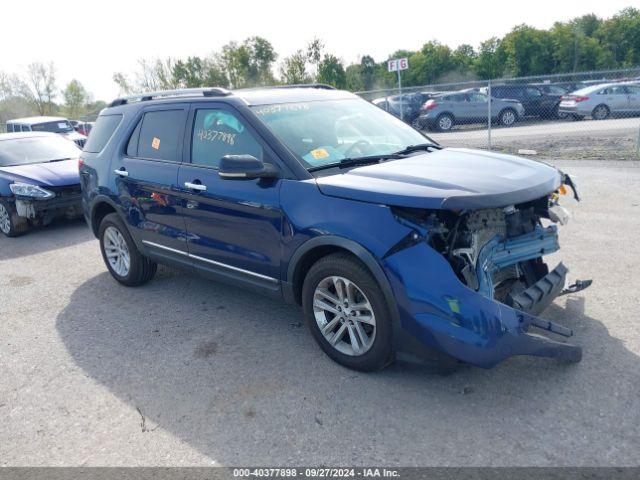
100	208
312	250
598	106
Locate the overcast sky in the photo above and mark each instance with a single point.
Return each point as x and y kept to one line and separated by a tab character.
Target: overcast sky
90	40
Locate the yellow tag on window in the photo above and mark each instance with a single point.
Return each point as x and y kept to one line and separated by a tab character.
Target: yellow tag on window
319	153
155	143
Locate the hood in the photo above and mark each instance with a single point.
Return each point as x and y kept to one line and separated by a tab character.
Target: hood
52	174
451	178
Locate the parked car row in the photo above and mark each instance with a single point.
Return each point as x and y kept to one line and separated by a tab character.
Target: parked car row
441	111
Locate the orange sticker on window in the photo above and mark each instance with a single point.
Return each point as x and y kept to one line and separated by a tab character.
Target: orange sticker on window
155	143
319	153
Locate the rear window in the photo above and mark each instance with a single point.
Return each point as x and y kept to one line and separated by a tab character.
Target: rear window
102	133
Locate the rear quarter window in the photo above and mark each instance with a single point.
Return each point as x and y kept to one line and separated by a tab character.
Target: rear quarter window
102	132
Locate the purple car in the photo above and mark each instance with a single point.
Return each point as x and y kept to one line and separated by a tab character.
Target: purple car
39	180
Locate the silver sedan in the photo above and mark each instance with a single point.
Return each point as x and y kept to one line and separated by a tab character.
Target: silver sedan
601	101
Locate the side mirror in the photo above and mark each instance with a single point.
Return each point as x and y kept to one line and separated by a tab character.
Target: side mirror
245	167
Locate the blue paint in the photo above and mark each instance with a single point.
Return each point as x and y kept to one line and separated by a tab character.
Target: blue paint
266	226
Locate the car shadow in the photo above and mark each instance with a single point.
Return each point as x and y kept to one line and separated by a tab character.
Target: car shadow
58	234
238	377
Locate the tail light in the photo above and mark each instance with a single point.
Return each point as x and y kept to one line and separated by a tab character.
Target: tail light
429	105
581	99
575	98
80	162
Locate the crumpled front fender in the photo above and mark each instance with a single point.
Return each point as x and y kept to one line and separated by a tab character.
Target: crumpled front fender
441	312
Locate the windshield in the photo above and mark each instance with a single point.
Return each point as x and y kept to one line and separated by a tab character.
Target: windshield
23	151
59	126
325	132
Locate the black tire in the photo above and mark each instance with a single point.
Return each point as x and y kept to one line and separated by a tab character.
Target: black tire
600	112
444	122
380	353
141	269
16	225
508	117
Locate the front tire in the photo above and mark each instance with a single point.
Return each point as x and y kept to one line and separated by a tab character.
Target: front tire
120	254
11	225
346	312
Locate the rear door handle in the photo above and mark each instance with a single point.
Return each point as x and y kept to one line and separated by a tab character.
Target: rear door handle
195	186
122	173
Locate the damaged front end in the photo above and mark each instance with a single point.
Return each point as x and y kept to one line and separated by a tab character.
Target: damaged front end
487	281
48	204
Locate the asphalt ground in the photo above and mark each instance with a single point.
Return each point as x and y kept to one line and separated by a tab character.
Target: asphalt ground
185	371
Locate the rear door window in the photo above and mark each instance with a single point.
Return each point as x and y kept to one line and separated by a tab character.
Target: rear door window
105	127
160	135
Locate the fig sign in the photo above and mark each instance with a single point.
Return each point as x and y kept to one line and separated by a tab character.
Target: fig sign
397	65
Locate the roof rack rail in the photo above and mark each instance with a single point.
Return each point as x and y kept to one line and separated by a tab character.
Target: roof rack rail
323	86
181	92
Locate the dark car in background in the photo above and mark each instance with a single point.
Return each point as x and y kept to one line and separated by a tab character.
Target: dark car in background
406	105
533	98
39	180
444	111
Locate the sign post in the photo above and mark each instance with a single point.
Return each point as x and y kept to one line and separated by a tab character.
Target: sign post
397	65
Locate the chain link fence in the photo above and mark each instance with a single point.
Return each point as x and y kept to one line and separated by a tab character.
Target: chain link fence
585	115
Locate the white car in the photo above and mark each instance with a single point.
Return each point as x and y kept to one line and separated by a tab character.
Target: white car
58	125
601	101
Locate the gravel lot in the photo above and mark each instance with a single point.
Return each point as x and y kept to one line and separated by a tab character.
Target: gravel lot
613	139
184	371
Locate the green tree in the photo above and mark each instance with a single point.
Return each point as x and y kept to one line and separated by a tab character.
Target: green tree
250	63
293	70
75	98
490	60
620	35
528	51
331	71
353	76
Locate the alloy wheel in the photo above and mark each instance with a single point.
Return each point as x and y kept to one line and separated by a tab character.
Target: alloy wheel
601	112
116	251
344	315
445	123
5	220
508	118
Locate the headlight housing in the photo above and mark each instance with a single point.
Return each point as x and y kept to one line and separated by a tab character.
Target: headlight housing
28	190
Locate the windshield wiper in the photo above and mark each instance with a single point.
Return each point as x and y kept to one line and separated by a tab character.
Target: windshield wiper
59	160
352	162
418	147
367	160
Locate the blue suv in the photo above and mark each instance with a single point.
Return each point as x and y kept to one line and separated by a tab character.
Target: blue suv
394	246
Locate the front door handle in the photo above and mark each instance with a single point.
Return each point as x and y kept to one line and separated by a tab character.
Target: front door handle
122	173
195	186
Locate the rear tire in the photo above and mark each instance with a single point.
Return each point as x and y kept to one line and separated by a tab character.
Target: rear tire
601	112
508	117
120	254
356	321
444	122
11	225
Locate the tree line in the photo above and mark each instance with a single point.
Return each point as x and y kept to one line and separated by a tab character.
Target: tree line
36	91
584	43
581	44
